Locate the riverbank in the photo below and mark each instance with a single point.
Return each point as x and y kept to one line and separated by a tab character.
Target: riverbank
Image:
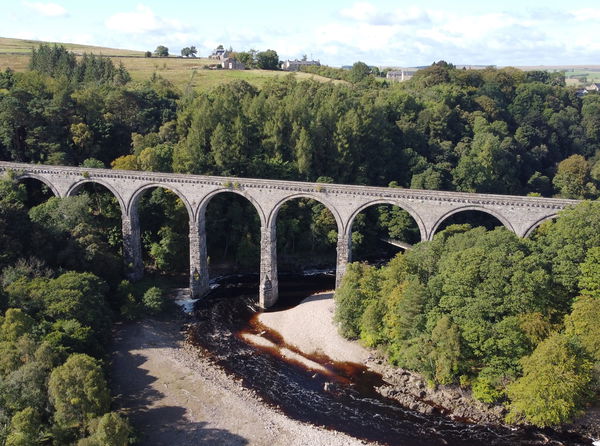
175	396
309	329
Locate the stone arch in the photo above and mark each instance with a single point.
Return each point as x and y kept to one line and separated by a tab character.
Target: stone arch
41	179
76	187
206	200
403	206
271	220
493	213
135	197
534	226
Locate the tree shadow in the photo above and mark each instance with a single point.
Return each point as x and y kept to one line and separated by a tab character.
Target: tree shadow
133	393
167	426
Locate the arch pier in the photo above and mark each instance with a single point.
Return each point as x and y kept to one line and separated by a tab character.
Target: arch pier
428	208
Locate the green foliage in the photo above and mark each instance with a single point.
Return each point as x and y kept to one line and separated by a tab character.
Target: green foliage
589	280
26	387
24	428
161	51
154	301
572	178
582	325
469	305
554	386
359	72
267	60
111	429
446	354
565	243
56	61
15	324
78	392
353	296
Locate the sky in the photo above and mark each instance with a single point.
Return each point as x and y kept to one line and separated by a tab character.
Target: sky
336	32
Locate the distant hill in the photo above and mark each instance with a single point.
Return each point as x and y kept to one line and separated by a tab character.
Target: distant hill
183	72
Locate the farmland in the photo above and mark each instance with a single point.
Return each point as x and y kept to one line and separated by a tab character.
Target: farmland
183	72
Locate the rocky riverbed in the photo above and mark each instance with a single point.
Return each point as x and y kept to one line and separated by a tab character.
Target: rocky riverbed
176	394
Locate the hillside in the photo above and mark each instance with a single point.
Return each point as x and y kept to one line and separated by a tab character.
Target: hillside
183	72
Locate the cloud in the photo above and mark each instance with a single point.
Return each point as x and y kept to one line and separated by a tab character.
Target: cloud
586	14
47	9
144	21
367	13
417	36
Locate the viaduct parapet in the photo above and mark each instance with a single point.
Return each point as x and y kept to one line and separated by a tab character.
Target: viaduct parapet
428	208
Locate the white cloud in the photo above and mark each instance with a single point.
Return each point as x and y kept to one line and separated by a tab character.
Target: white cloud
360	12
142	21
586	14
367	13
47	9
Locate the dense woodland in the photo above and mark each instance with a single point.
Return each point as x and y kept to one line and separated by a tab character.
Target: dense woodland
516	320
475	307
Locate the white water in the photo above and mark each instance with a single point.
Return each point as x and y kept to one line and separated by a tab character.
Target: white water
183	299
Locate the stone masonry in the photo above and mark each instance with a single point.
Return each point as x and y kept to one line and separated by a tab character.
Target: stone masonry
428	208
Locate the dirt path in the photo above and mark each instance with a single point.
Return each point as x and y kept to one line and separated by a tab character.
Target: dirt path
174	397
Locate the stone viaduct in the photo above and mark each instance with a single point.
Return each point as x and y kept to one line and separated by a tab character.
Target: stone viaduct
428	208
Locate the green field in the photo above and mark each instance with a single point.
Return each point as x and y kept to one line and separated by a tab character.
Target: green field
184	73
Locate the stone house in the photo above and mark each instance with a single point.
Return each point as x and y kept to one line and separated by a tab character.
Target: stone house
231	63
294	65
400	75
219	53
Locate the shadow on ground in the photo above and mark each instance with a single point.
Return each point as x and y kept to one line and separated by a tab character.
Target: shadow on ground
133	393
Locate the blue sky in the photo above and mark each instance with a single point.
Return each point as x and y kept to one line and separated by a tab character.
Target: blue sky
386	33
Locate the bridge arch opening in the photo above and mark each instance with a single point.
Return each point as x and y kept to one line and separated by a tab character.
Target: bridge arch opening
164	217
97	187
106	210
307	233
379	230
232	222
38	190
538	227
475	217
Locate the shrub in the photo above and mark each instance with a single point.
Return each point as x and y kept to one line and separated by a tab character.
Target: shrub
153	300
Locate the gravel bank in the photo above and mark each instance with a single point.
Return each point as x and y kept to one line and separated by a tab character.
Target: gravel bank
310	328
174	396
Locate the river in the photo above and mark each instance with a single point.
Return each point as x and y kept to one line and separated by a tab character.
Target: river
343	399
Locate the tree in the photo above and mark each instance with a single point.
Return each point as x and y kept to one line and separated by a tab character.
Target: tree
267	60
555	384
246	57
359	72
161	51
572	177
185	52
566	242
16	323
78	392
153	300
445	339
589	280
24	428
111	429
582	324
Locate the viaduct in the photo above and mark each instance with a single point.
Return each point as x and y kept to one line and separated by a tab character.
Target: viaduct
428	208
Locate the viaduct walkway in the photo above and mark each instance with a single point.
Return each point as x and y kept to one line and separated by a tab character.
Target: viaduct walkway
428	208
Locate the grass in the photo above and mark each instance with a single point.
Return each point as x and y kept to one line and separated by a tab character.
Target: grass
21	46
184	73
